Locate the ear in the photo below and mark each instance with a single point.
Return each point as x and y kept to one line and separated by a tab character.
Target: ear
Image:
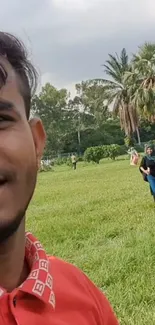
39	137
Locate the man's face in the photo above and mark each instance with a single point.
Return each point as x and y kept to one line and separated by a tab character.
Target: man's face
21	145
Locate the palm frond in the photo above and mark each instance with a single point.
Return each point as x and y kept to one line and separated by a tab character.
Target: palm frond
111	83
128	76
114	62
114	74
124	59
147	50
108	82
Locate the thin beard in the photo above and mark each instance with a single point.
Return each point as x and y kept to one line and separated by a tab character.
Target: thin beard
9	229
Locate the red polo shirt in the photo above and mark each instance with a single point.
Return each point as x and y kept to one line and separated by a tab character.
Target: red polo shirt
55	293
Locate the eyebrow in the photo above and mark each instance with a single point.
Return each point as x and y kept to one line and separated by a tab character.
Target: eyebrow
6	105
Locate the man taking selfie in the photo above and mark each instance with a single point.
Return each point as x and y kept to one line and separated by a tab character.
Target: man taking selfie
34	288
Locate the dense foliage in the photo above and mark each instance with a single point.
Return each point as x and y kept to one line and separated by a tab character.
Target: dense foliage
104	111
95	154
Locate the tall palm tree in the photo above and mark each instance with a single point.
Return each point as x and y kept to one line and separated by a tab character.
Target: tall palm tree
142	81
117	93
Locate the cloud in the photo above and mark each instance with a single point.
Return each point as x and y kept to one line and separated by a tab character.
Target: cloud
71	5
69	40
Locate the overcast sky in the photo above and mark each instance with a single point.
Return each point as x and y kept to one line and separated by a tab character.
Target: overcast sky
68	40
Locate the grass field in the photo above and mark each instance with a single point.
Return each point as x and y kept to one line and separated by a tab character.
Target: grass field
102	218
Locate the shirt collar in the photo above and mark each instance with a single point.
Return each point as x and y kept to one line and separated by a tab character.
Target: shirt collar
39	283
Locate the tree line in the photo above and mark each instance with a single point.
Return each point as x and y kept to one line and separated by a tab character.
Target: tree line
104	111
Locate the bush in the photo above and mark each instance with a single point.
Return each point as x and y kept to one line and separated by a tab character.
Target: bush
94	154
105	151
113	151
123	150
60	161
80	158
139	148
69	161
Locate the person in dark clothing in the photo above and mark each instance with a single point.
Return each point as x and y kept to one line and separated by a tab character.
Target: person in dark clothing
147	168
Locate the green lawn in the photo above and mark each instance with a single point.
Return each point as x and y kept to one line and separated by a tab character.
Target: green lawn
102	218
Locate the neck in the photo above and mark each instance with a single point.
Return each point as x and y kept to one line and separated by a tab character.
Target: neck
13	269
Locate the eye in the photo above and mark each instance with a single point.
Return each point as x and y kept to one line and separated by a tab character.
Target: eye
5	118
6	121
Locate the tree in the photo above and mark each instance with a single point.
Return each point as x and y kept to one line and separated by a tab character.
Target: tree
92	100
117	93
142	81
75	113
50	105
87	107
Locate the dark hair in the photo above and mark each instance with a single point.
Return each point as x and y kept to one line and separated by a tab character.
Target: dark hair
15	52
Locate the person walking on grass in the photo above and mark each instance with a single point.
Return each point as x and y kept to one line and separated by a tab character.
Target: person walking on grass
35	288
74	161
134	157
147	167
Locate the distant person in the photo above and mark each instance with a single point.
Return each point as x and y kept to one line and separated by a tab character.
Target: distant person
35	288
134	156
74	161
147	168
